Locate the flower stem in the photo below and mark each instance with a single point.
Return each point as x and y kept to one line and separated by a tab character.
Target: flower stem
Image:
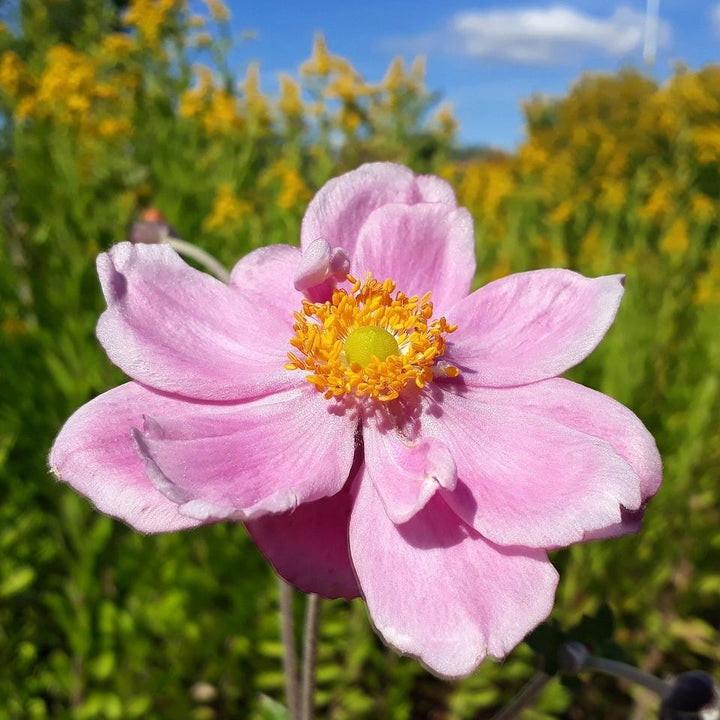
629	673
290	662
525	697
199	255
310	644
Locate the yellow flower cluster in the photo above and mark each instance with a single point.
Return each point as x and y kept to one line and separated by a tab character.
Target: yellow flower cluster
219	10
13	73
149	16
228	210
290	102
125	85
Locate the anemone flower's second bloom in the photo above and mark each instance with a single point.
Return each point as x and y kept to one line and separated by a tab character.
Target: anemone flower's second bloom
381	432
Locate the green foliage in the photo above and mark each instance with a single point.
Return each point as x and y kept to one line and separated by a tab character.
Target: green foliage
99	622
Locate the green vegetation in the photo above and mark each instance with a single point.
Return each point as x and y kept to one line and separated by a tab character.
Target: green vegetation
104	115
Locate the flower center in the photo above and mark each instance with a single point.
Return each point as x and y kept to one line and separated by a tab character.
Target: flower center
369	341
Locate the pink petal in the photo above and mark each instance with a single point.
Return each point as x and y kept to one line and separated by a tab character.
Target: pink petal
341	206
528	479
434	189
593	413
95	453
242	461
406	473
438	591
531	326
179	330
423	247
264	278
308	546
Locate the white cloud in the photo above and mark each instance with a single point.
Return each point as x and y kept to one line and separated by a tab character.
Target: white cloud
549	35
715	14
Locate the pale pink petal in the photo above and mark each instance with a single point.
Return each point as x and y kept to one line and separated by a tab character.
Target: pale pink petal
264	279
531	326
438	591
341	206
593	413
181	331
596	414
527	479
406	472
242	461
308	546
435	189
428	247
95	453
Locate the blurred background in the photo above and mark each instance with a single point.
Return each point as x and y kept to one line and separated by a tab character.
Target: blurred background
109	109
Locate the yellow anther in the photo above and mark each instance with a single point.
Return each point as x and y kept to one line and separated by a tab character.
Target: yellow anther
365	342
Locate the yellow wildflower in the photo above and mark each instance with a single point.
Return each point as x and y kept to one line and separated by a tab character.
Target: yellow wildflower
532	156
658	203
256	103
706	140
562	212
196	21
12	327
348	86
395	76
222	115
349	118
290	102
12	73
417	70
707	288
676	240
702	207
148	17
113	128
203	39
25	108
227	209
219	10
119	44
294	192
319	62
446	121
613	193
591	248
194	99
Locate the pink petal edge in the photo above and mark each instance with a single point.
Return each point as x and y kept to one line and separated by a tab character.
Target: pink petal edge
95	454
531	326
181	331
242	461
406	473
340	208
438	591
528	479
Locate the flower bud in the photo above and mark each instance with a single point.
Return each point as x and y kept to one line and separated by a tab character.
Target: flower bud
694	695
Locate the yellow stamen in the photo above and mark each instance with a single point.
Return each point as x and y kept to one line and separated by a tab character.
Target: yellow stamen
365	342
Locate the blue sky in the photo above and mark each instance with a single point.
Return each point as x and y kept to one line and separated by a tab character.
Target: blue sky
484	57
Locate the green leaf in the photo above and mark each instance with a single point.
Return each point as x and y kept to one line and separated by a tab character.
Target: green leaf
271	709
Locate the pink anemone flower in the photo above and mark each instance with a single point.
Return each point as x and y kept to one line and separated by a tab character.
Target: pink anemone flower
381	431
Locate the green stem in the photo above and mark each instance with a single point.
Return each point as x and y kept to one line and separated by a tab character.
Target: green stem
290	661
310	644
526	697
